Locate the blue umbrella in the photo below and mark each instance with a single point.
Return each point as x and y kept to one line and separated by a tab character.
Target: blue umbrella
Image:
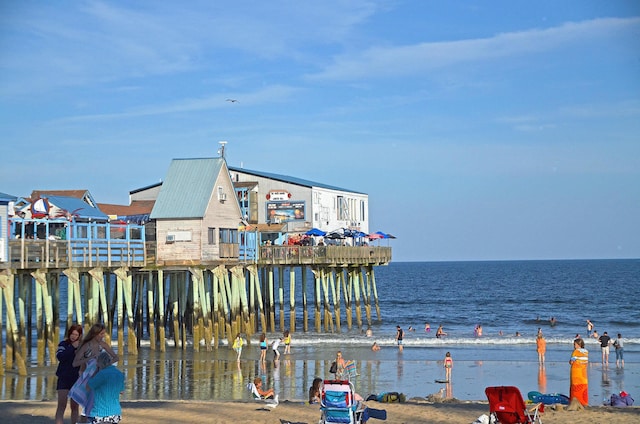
315	232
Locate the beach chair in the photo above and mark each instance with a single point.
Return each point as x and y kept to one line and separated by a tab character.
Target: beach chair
506	406
338	404
348	371
266	402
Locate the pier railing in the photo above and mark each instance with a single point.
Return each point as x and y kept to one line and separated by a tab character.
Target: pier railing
26	254
326	255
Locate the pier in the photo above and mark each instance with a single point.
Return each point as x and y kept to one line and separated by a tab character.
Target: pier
176	304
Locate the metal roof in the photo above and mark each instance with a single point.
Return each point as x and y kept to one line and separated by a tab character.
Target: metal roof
76	207
187	188
4	197
290	180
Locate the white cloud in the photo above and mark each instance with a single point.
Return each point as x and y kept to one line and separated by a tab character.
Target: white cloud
387	61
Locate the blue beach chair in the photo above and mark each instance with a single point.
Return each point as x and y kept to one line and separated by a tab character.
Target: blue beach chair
338	404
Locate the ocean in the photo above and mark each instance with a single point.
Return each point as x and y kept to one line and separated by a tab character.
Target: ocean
504	297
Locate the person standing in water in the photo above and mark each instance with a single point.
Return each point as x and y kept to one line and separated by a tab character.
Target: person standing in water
541	347
287	342
237	346
448	365
399	337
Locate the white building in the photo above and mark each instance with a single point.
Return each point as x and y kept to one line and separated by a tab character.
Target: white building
267	198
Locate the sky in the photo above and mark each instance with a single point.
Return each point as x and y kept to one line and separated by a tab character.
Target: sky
495	130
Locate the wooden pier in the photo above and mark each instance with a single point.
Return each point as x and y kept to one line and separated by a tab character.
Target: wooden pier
120	283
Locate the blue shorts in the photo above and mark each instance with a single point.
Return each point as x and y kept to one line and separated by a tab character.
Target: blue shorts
399	342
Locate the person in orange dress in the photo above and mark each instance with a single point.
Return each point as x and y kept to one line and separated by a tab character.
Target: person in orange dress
541	345
579	388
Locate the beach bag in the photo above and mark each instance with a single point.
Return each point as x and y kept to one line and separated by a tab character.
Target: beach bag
334	368
621	400
393	397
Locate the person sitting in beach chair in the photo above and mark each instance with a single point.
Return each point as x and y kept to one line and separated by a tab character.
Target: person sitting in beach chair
269	398
507	406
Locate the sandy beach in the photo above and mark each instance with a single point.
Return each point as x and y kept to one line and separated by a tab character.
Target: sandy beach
413	411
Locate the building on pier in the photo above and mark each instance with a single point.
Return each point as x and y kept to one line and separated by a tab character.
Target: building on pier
194	264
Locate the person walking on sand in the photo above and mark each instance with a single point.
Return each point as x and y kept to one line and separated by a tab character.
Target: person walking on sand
399	337
448	365
67	374
263	347
618	344
579	387
237	346
340	365
541	346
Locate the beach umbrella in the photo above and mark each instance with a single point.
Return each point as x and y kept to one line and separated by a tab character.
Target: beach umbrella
315	232
334	236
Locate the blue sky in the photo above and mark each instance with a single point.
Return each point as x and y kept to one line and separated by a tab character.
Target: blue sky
480	130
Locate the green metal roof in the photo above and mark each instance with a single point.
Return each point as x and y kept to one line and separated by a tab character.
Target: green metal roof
187	188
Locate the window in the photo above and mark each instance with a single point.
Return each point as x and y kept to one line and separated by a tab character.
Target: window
211	235
228	235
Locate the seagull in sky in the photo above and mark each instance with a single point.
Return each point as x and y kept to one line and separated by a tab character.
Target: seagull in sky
232	100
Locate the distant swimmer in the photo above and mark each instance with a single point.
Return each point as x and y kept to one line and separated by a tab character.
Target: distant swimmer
478	330
375	347
553	321
427	328
440	332
411	329
589	328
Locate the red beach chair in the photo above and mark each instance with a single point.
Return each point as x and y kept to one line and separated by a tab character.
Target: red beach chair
506	406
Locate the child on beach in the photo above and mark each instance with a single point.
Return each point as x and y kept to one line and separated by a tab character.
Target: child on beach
448	364
237	346
263	347
274	346
287	342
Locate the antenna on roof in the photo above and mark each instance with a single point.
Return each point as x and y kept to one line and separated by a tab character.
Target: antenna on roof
221	149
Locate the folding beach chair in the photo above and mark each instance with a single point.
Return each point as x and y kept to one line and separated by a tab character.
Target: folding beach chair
338	404
506	406
348	371
267	402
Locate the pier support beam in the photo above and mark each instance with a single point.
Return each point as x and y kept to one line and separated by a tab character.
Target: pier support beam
7	285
